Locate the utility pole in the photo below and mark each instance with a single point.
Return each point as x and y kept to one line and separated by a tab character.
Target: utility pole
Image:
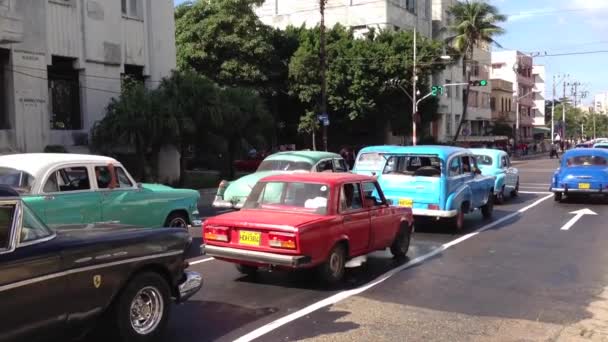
414	91
553	113
564	103
323	65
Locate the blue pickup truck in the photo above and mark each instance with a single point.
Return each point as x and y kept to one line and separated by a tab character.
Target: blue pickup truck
437	182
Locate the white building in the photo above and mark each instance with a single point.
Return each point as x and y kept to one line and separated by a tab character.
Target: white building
516	67
479	113
539	74
61	61
600	103
358	14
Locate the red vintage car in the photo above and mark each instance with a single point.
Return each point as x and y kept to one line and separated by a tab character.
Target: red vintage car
307	220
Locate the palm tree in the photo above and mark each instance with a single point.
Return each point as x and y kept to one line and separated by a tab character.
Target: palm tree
475	24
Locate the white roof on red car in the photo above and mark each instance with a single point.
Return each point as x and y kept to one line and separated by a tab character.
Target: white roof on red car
37	163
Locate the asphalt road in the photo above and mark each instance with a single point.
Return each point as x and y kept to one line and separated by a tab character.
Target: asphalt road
518	277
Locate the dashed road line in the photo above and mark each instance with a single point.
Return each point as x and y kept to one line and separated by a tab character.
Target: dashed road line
338	297
200	261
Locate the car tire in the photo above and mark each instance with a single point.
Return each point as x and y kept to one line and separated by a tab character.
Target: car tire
457	222
148	295
488	208
558	196
177	220
515	192
401	244
500	197
247	269
332	270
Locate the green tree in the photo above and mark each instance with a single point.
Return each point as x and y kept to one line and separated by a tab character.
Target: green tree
189	109
243	119
475	25
132	120
359	100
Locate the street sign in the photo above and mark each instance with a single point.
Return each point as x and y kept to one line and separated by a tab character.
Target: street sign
324	118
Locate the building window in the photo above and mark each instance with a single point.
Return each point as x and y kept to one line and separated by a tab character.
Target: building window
134	72
473	99
4	86
64	94
474	68
410	5
448	124
493	103
132	8
446	90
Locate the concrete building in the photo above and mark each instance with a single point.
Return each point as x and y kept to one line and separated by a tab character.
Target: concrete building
61	61
450	105
517	68
539	74
358	14
502	102
600	103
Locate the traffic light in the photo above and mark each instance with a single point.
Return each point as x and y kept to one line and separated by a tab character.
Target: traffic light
480	83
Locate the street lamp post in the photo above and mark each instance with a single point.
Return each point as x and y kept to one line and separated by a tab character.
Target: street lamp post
414	91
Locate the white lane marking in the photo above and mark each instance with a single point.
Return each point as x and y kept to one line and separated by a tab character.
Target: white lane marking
543	184
577	216
200	261
340	296
535	186
535	192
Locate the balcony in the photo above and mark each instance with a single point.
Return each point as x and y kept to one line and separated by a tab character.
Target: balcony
525	80
11	26
502	85
527	101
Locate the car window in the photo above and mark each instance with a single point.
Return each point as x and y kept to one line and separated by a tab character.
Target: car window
340	165
371	192
6	222
123	179
68	179
413	165
587	161
466	165
32	228
454	167
484	160
284	165
103	176
325	166
16	179
291	196
370	161
350	197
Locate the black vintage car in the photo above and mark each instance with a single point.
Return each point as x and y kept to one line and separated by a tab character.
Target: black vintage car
65	283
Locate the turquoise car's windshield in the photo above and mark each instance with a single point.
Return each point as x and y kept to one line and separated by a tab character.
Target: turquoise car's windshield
289	196
16	179
370	161
413	165
284	165
484	160
586	161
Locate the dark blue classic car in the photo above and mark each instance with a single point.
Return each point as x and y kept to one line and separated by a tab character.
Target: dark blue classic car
582	171
58	285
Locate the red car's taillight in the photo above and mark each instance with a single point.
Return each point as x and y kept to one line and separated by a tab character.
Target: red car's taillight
282	240
216	233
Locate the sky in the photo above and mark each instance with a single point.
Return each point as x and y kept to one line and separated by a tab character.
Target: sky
559	27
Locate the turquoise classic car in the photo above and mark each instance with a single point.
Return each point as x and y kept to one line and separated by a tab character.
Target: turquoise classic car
437	182
370	160
497	163
66	189
232	195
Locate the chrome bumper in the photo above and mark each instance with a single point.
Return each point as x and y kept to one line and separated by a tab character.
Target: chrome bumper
191	284
435	213
582	191
220	203
253	256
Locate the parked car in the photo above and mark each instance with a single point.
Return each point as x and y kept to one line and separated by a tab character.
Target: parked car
601	145
584	145
232	195
438	182
582	171
309	220
58	284
75	188
498	164
370	160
